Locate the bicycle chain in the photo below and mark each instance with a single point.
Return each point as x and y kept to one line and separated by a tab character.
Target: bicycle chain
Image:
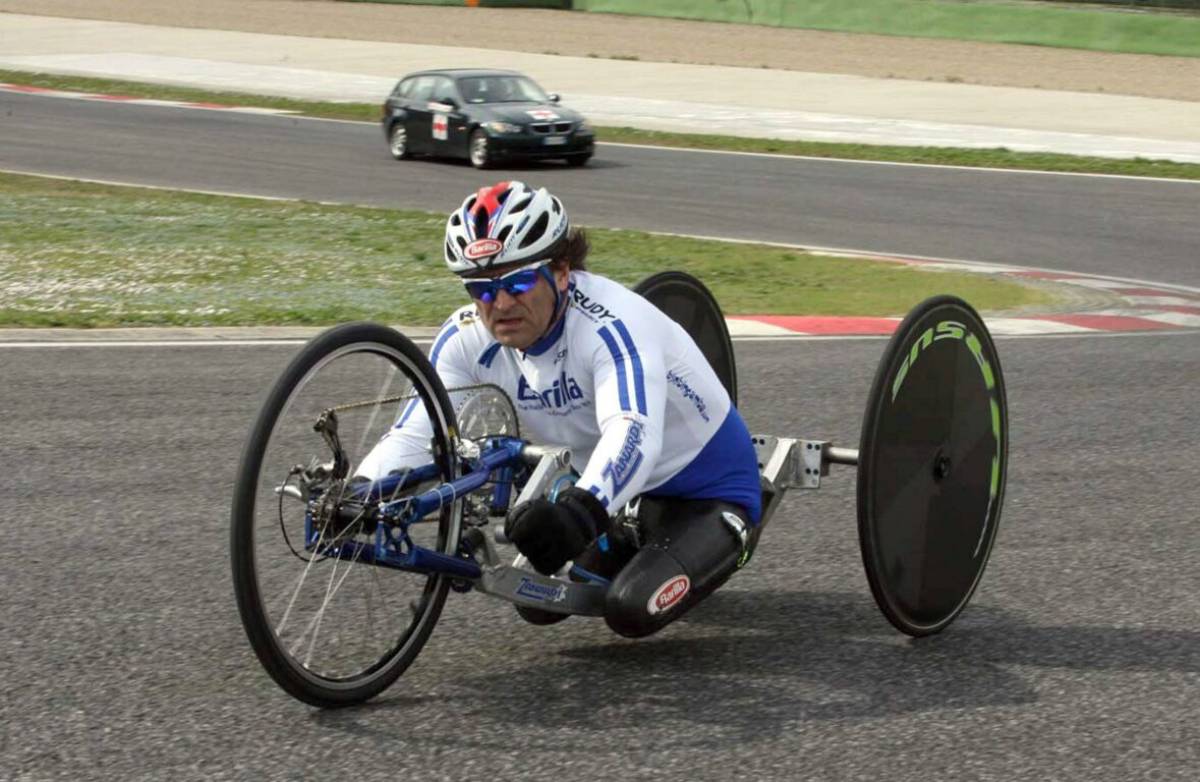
388	400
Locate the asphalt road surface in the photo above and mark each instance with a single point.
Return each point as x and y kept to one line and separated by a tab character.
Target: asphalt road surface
121	652
1120	227
1079	658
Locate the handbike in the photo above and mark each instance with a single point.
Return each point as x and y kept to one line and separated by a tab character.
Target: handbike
340	580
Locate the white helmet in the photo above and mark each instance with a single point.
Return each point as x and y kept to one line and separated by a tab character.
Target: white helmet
504	224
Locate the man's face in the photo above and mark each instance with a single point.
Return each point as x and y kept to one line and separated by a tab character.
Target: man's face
517	321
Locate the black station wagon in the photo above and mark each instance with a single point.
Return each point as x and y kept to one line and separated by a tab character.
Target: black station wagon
483	115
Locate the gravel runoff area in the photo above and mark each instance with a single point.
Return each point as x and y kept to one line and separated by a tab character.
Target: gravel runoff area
661	40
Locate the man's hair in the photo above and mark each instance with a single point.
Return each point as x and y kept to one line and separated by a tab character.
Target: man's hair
574	250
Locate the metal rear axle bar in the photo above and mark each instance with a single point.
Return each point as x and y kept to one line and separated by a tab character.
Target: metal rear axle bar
791	463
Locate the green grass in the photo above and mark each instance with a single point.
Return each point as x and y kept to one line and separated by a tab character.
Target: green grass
86	255
1024	23
370	112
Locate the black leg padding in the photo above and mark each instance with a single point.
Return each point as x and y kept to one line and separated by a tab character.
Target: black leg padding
688	551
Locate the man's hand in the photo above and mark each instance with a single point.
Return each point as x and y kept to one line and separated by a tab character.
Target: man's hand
551	533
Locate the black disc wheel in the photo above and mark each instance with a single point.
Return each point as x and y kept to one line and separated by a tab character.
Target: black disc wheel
331	629
932	465
686	301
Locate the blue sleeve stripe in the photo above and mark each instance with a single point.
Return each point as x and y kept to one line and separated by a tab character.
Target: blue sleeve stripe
412	405
489	355
619	360
441	342
639	380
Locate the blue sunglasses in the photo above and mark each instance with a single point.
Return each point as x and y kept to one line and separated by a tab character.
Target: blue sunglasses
515	283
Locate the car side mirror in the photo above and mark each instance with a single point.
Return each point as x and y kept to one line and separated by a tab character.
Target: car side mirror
554	97
448	101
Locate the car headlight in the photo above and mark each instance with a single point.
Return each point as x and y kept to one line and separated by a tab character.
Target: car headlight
503	127
584	127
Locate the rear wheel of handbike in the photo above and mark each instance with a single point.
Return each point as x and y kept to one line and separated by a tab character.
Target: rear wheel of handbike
685	300
932	465
329	628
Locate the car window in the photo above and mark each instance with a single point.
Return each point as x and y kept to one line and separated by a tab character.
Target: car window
402	88
422	88
443	90
501	89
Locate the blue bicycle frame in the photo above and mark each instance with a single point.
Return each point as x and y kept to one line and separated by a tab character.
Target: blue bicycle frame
392	546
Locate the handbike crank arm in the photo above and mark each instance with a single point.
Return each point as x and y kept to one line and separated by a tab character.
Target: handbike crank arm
552	462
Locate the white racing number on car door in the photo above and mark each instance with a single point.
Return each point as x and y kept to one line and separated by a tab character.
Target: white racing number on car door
441	126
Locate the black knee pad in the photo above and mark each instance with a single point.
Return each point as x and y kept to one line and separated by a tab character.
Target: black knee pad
690	551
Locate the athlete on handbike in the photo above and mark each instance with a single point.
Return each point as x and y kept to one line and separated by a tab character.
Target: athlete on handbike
668	493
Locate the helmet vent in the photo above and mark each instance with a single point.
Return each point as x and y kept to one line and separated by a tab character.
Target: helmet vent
481	223
520	206
556	205
455	219
462	243
504	232
536	230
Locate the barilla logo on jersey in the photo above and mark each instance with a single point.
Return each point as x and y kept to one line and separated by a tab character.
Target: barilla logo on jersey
628	460
668	595
535	591
482	248
563	391
593	308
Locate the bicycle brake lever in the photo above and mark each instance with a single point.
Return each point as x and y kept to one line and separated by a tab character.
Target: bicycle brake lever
327	427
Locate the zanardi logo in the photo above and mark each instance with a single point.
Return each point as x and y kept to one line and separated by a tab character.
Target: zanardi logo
482	248
628	460
562	392
668	595
535	591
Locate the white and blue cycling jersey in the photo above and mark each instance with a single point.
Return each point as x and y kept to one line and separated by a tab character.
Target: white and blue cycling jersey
619	383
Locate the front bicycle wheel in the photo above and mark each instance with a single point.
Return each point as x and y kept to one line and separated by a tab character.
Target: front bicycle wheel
331	629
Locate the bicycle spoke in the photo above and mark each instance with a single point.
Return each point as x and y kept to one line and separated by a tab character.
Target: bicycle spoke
299	583
331	589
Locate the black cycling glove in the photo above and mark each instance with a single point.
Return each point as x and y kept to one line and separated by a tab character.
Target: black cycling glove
551	533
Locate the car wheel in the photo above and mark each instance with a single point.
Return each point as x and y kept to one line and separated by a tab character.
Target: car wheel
480	155
575	161
398	142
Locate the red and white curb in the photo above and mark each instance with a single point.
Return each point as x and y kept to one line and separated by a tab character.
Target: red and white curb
133	101
1140	306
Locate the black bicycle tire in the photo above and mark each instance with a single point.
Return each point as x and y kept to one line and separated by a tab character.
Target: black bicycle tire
302	684
899	346
646	288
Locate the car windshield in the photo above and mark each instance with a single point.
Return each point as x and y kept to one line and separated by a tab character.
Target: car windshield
501	89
